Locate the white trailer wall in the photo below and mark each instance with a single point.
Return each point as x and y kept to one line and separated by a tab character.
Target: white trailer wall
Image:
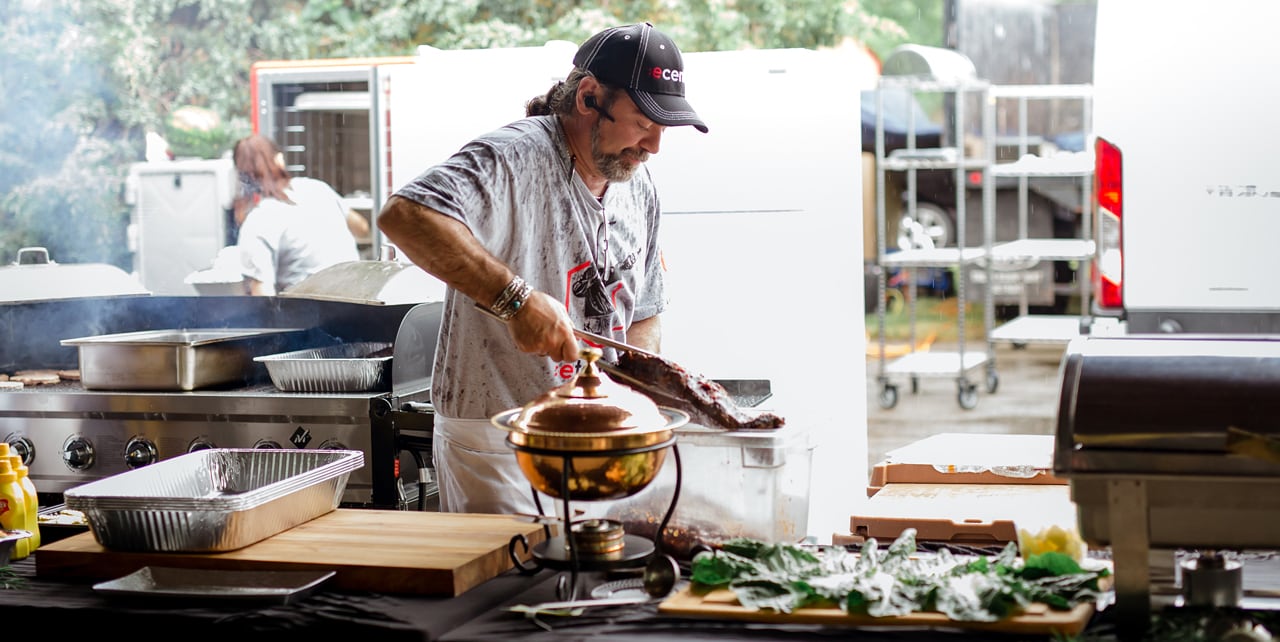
761	230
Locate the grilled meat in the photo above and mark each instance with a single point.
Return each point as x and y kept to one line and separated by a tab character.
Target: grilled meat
706	401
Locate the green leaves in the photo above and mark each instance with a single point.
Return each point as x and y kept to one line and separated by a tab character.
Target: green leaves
769	593
720	569
895	581
9	579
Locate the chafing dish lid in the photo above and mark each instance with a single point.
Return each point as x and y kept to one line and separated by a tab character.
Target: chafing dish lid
590	403
1180	392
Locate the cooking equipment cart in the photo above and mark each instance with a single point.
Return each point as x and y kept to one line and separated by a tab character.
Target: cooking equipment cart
913	68
1020	255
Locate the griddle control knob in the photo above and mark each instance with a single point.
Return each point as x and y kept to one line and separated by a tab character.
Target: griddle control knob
77	453
22	447
332	444
267	444
140	452
200	443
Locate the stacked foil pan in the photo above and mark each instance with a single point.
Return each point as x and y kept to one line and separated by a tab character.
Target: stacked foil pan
213	500
349	367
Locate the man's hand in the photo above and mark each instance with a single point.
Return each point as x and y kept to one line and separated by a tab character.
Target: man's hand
543	327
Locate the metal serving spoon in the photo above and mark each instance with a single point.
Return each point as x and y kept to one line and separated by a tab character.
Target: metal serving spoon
660	575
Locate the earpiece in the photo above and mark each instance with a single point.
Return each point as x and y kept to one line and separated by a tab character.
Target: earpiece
590	101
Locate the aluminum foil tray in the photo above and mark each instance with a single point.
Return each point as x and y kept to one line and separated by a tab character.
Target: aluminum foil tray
341	368
213	500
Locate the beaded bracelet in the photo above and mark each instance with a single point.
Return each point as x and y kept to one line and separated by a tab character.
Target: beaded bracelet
511	299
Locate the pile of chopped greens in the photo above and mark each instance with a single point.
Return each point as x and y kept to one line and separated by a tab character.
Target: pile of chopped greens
785	577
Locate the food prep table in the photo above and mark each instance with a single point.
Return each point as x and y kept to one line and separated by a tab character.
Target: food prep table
43	606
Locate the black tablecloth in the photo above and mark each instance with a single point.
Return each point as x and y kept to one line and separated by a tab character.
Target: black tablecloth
60	609
644	624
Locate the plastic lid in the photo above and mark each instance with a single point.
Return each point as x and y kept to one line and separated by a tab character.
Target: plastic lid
15	463
4	449
6	472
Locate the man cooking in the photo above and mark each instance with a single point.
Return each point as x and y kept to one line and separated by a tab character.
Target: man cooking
547	224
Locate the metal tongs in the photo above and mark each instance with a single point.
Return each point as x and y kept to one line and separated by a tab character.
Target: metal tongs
606	341
659	396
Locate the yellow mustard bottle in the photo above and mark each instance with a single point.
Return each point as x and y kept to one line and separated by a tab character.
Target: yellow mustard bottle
31	500
13	508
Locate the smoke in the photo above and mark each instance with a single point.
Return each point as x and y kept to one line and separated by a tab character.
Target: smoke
63	149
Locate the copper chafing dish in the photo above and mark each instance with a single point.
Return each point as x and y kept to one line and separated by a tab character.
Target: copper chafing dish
623	437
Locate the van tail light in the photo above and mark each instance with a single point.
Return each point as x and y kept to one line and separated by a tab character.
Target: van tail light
1108	190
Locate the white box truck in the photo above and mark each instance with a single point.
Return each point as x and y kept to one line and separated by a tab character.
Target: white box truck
1188	196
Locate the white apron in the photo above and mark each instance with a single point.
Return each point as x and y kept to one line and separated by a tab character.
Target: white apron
476	470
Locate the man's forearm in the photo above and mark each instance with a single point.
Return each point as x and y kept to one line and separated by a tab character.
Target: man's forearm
445	248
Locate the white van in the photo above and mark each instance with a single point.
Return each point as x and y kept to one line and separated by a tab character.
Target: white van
1188	183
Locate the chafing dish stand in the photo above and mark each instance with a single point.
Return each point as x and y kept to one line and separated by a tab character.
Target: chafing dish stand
1146	435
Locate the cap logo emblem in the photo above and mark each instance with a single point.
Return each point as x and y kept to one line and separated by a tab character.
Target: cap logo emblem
674	75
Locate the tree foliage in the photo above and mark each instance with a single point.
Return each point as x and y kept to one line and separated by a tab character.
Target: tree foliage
85	80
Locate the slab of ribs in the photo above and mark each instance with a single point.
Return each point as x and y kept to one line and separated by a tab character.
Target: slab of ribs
707	402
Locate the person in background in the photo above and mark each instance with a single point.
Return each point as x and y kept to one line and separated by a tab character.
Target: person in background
289	227
548	224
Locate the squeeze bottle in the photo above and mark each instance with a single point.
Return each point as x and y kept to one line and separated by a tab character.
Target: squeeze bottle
13	508
32	500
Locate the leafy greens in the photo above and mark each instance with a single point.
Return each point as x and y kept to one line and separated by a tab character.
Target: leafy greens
785	577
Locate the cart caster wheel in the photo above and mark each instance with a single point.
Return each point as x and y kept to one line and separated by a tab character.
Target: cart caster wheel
993	382
967	396
915	385
888	396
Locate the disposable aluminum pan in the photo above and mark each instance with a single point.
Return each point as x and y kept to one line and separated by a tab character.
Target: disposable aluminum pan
213	500
175	359
348	367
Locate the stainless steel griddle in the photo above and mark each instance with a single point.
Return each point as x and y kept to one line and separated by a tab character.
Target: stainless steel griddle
70	435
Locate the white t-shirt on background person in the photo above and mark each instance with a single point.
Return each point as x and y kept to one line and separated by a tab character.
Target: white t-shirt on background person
281	244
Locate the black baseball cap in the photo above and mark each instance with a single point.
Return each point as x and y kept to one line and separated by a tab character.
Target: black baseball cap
646	63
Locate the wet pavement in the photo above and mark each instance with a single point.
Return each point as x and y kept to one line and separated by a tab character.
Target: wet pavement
1025	400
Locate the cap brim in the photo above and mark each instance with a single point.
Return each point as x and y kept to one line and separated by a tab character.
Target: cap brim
666	109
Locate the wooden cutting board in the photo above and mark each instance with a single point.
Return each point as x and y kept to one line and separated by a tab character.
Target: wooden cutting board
722	604
387	551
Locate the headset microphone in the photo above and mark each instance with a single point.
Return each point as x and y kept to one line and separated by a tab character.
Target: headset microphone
590	102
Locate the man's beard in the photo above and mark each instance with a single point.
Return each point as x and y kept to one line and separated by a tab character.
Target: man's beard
616	168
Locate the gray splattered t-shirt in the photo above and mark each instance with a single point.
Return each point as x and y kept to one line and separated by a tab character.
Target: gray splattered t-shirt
516	190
